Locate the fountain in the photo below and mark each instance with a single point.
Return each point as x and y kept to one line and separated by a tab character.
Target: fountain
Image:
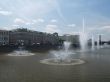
62	57
98	46
83	38
83	41
93	44
21	52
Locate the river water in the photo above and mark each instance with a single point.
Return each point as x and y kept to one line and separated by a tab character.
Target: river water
29	69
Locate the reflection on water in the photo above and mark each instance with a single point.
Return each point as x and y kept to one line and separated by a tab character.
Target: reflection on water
29	69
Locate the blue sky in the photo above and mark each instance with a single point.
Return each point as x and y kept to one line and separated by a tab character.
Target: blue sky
62	16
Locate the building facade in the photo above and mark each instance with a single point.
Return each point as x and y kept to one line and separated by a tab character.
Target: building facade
28	37
74	39
4	37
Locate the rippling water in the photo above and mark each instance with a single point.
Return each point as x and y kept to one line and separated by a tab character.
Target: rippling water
29	69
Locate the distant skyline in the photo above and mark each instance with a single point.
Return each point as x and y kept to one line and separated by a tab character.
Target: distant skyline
62	16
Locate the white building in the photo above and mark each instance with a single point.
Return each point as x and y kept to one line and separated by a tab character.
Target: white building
4	37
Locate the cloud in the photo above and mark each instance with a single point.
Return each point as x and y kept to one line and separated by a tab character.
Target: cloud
75	33
22	21
105	27
7	28
100	29
53	20
19	21
15	25
40	20
52	28
71	25
6	13
35	8
4	28
29	23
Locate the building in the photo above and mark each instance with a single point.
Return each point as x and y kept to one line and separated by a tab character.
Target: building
4	37
74	39
20	36
52	39
71	38
28	37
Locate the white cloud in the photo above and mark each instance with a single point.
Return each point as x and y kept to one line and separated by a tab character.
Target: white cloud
27	21
19	21
15	25
71	25
52	28
40	20
105	27
53	20
74	33
91	29
6	13
34	21
37	8
7	28
4	28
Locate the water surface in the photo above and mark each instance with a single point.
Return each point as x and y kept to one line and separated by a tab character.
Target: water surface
29	69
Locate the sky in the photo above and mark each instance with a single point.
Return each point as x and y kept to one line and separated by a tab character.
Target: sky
62	16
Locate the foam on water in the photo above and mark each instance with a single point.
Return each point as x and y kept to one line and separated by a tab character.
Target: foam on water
21	52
